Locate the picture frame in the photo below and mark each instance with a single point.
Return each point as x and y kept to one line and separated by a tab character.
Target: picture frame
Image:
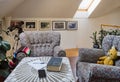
30	25
72	25
58	25
15	24
110	29
15	28
44	25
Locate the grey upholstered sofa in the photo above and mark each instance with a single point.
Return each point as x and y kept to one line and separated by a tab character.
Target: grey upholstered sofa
89	71
45	43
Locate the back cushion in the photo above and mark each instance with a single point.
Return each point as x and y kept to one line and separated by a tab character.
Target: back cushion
43	43
37	37
116	42
107	43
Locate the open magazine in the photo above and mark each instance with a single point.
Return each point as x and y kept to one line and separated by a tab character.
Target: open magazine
37	64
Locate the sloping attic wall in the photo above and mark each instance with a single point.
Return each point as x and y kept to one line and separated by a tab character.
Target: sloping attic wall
46	9
88	26
6	6
105	7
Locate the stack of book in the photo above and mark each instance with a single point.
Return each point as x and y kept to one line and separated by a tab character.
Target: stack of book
54	64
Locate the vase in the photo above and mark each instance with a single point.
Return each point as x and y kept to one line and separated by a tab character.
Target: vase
96	46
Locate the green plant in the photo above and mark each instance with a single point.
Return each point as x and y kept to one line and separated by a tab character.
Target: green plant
94	38
4	67
102	33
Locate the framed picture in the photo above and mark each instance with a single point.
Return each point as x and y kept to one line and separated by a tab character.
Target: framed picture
109	27
72	25
16	25
45	25
14	22
30	25
58	25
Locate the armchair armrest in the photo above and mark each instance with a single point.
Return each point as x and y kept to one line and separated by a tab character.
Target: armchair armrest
24	40
105	72
90	55
59	52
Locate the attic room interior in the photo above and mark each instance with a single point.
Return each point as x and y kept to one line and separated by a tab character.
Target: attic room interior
84	33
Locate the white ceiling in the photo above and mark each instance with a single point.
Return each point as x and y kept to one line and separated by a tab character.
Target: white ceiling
51	8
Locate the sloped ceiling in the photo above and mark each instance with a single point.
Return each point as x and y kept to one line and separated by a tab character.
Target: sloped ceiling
6	6
105	7
51	8
46	8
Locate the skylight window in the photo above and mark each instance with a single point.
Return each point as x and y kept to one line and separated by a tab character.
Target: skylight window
85	8
85	4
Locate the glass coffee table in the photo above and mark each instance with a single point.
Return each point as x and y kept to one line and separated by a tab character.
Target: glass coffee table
26	73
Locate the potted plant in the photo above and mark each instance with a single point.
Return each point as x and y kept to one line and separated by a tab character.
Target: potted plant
4	67
95	40
102	33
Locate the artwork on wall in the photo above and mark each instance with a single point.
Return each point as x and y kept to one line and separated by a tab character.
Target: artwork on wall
14	23
15	26
72	25
110	27
45	25
30	25
58	25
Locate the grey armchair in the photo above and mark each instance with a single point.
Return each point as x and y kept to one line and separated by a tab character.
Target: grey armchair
88	71
45	43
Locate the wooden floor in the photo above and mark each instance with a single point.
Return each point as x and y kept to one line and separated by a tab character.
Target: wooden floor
72	54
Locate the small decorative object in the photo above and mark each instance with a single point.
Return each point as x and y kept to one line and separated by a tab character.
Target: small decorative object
72	25
58	25
110	58
12	64
45	25
21	53
41	73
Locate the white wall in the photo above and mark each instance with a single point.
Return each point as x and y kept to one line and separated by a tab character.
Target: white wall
86	28
68	39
